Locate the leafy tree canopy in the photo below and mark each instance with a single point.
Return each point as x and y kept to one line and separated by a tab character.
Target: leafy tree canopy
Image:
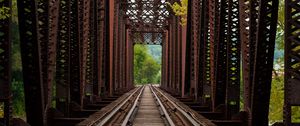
180	9
146	67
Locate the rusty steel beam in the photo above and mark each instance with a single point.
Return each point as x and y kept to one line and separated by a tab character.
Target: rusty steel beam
214	19
204	88
115	49
233	60
221	56
90	61
31	63
147	14
106	52
187	79
248	29
74	53
43	17
291	60
100	38
5	67
84	46
48	23
99	18
111	45
63	68
262	78
192	59
51	52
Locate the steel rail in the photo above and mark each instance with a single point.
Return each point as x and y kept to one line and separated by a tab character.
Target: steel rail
133	107
170	121
111	114
189	117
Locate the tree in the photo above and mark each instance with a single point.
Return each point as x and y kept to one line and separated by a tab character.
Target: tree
146	67
1	110
5	11
180	9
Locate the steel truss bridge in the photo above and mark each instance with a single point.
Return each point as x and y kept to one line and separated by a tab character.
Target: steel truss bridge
84	48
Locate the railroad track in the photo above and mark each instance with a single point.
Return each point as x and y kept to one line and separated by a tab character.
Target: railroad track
146	106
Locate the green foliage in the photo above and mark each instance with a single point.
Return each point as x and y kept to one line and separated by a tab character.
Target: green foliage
17	79
280	26
1	110
18	99
4	12
276	101
180	9
146	68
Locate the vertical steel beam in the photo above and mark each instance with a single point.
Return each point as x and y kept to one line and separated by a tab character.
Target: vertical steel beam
214	19
192	59
48	24
90	55
51	51
43	18
116	46
30	51
5	66
183	57
204	88
48	19
85	34
188	56
248	29
63	58
291	76
74	52
96	46
106	50
99	37
267	25
233	60
111	44
221	56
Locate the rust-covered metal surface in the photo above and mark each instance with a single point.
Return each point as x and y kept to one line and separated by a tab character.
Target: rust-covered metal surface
292	80
85	50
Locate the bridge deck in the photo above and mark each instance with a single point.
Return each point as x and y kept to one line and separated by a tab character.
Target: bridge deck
148	113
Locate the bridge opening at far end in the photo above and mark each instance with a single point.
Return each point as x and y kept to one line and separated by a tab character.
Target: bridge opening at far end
147	64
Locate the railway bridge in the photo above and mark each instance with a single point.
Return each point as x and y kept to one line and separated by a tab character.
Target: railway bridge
79	53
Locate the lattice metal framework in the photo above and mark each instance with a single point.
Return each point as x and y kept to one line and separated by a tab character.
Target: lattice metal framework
292	56
88	46
150	14
263	66
235	32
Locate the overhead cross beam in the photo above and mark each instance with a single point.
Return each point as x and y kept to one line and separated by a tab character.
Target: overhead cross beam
147	14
